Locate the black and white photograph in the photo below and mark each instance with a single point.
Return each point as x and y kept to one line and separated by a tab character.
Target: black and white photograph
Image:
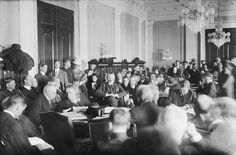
117	77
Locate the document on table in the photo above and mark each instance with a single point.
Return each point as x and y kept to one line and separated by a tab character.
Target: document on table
74	115
39	143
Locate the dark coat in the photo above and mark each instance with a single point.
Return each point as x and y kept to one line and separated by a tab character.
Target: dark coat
42	80
40	104
69	73
209	89
105	88
176	98
7	93
30	96
195	77
14	137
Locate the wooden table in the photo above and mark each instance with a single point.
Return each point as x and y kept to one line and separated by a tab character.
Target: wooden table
81	122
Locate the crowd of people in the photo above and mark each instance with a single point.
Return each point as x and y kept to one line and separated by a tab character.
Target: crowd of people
166	105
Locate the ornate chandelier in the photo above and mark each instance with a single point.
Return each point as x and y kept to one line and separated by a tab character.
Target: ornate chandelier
196	16
219	37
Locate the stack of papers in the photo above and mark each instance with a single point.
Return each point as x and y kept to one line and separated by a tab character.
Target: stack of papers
39	143
74	115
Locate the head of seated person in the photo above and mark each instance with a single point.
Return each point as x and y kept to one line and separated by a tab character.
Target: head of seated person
15	104
28	81
145	116
222	139
172	122
10	84
223	108
119	123
55	81
50	91
73	93
203	104
147	93
208	78
184	87
111	78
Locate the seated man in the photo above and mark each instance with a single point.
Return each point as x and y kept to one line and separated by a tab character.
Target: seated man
75	98
9	90
111	91
119	123
209	87
183	97
29	91
43	103
13	136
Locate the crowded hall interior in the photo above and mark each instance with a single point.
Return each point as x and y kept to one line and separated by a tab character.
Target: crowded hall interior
118	77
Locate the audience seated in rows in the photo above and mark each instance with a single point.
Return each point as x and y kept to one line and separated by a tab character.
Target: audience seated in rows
111	92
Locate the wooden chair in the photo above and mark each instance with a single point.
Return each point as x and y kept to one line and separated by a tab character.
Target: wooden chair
98	130
59	132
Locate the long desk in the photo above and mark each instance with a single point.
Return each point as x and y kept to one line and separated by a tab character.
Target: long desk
81	122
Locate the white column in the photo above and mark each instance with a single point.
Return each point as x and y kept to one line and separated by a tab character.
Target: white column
117	35
203	45
83	53
76	47
149	44
28	30
140	39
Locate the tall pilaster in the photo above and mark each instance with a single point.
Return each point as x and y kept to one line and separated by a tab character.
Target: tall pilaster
83	53
149	44
117	34
140	39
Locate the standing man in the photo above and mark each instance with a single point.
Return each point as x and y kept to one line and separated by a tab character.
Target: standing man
60	74
111	92
41	77
67	68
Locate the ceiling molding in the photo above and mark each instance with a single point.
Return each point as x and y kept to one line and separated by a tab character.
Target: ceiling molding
170	9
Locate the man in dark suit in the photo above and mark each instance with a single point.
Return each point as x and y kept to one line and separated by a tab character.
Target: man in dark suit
183	97
9	90
43	103
41	77
60	74
209	86
29	91
111	92
13	137
67	68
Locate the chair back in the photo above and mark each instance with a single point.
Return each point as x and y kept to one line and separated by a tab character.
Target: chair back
98	131
58	130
